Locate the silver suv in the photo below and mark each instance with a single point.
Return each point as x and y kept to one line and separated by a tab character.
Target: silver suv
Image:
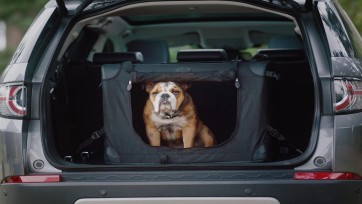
277	82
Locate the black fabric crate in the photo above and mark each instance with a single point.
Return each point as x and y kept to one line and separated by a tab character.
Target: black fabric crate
248	142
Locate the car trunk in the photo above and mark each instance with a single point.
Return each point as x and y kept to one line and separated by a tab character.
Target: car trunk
260	109
77	109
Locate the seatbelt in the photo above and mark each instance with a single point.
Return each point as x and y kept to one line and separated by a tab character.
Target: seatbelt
86	143
281	138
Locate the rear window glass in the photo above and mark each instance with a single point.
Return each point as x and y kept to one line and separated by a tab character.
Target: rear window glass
354	36
344	39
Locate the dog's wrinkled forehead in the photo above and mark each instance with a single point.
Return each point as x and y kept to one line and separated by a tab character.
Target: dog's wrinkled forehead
165	86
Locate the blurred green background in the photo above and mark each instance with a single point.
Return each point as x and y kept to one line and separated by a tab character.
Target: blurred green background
17	15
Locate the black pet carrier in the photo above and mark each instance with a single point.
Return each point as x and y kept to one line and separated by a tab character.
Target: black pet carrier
246	139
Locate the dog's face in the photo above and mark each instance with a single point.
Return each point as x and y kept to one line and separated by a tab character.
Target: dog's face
166	97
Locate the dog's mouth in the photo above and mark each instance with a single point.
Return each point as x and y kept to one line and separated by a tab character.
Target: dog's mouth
165	106
165	103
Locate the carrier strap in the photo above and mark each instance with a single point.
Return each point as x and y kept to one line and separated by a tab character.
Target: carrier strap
94	137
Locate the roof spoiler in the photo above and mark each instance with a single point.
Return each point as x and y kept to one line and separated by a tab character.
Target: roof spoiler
308	4
61	6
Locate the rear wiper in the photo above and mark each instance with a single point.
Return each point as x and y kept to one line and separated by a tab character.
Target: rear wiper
292	3
82	6
295	5
104	3
96	4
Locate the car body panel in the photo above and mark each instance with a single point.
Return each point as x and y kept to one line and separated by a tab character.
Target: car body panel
14	132
324	150
36	160
284	191
346	67
345	57
186	200
27	44
345	60
348	143
12	147
14	73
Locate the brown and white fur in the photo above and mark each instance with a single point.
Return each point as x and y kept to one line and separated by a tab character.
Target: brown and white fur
170	117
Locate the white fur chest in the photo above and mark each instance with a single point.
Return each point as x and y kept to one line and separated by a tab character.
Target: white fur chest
178	122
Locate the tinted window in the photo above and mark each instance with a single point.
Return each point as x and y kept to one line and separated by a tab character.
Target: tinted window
353	34
343	38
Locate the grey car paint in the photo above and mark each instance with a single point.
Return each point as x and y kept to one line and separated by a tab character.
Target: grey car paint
337	146
11	147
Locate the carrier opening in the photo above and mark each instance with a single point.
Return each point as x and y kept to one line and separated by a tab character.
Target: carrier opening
215	104
208	106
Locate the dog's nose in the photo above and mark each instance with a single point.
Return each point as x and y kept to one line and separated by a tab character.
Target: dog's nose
165	96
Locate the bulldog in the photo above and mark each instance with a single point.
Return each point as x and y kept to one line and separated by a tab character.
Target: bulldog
170	117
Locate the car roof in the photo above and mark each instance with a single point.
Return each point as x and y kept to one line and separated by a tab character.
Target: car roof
85	5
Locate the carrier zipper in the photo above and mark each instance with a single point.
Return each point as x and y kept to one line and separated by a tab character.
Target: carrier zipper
129	86
237	83
133	78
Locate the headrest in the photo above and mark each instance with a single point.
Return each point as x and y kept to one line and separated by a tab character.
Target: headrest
153	51
197	55
280	54
285	41
117	57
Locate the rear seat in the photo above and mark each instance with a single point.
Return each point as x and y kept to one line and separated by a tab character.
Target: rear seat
117	57
281	55
202	55
285	42
153	51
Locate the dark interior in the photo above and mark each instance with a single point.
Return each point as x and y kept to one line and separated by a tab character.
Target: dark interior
215	102
291	100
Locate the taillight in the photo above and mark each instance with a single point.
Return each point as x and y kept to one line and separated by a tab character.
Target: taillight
13	100
325	176
32	179
348	93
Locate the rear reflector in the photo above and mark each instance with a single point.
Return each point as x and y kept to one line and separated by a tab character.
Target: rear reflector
348	95
32	179
13	100
325	176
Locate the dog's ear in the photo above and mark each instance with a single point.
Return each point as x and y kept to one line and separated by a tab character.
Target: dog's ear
148	86
184	85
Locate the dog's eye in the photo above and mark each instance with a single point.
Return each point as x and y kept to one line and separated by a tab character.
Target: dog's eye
154	93
175	93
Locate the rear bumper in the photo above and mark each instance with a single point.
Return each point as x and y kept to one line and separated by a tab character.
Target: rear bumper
189	200
279	191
